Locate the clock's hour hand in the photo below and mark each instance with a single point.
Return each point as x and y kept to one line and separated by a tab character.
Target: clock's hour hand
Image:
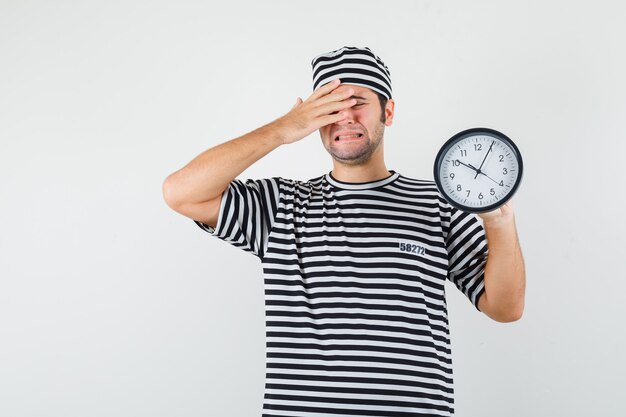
469	166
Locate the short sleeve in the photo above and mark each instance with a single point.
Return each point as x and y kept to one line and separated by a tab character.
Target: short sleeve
466	245
247	213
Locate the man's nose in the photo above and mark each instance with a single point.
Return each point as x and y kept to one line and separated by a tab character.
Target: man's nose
348	119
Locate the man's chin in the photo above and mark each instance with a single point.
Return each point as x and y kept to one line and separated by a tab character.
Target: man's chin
351	158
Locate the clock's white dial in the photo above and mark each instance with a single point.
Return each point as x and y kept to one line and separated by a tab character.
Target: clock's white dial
479	171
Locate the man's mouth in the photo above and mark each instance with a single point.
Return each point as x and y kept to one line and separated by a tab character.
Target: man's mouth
348	137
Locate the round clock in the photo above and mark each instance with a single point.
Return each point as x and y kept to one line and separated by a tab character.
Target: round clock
478	170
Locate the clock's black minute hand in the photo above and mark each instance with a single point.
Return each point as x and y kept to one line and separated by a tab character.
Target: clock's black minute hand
484	159
480	172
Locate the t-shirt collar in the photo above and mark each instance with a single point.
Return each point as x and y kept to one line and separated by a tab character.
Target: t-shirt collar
361	185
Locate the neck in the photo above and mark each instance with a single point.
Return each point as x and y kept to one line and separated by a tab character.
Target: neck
360	173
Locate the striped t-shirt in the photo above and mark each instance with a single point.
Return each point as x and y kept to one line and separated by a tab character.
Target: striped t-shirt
354	273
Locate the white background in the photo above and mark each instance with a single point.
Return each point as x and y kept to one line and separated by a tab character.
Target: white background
112	304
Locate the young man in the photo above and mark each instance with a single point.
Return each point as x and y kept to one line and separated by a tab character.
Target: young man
354	260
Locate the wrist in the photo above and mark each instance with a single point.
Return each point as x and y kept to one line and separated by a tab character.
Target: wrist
499	222
274	133
283	131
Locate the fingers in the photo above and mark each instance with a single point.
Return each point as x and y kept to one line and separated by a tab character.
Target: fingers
332	118
335	96
325	89
325	106
335	106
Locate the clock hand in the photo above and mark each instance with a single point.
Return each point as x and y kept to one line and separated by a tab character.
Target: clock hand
481	172
490	178
478	171
484	159
469	166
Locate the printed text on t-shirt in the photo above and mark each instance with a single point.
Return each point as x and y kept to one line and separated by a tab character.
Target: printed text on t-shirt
412	248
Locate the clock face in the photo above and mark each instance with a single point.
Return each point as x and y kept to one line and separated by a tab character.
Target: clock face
478	170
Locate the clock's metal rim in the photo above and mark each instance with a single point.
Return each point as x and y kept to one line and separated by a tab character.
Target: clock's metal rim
474	132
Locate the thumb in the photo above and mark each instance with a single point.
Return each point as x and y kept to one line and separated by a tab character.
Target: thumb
298	101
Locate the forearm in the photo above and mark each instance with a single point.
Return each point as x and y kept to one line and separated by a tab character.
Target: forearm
505	276
206	176
209	174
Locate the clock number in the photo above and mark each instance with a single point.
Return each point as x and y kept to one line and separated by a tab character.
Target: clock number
458	187
478	146
463	152
492	191
468	193
501	183
501	158
480	196
504	171
452	175
456	162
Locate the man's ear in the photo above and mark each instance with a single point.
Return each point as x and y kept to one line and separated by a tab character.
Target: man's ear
389	109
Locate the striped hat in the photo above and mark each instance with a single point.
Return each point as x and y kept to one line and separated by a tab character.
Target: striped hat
352	65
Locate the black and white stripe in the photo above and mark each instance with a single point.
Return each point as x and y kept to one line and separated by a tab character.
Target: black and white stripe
354	324
358	66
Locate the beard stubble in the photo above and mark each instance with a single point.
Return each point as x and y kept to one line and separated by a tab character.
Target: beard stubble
359	152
